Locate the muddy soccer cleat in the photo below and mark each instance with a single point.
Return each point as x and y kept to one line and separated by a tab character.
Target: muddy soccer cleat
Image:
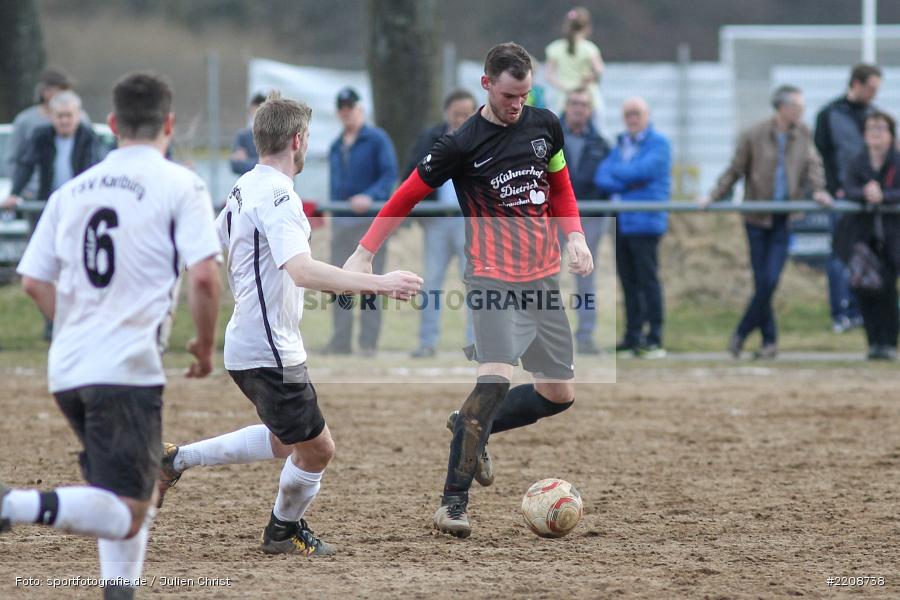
168	476
5	525
285	537
452	518
484	471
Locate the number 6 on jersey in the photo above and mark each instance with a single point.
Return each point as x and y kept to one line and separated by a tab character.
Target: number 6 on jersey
97	240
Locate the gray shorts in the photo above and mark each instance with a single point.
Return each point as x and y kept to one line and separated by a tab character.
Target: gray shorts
521	321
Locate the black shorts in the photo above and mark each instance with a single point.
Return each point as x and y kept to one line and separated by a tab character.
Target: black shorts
521	321
285	401
120	427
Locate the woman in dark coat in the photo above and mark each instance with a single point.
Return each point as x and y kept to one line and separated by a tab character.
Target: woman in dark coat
874	180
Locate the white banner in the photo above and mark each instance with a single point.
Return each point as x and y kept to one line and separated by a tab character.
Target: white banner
316	87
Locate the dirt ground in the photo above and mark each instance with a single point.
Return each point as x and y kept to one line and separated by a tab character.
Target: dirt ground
698	483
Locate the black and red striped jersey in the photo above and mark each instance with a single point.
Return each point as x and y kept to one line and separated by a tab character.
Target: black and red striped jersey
501	178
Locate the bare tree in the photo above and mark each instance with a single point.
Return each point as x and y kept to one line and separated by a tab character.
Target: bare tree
21	55
404	66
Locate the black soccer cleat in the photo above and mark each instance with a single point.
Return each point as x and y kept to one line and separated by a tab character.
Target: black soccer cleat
484	471
168	475
5	524
451	517
286	537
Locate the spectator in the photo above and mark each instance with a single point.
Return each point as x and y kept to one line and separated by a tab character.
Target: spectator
445	234
839	138
778	161
51	82
363	169
574	61
638	170
873	179
584	150
243	152
58	151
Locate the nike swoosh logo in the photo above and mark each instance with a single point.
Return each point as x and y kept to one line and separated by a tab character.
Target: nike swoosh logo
477	164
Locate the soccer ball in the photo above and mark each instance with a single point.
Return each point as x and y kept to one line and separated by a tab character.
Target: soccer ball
552	507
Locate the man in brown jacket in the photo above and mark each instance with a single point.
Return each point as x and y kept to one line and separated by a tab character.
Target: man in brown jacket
778	161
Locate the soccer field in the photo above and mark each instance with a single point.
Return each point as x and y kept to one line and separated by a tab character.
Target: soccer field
730	482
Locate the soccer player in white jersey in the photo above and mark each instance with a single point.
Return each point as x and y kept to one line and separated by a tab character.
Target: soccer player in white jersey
102	263
269	264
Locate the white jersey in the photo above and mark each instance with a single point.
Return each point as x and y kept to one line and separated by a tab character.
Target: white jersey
263	226
113	240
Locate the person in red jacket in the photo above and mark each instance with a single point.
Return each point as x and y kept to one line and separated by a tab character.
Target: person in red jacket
511	180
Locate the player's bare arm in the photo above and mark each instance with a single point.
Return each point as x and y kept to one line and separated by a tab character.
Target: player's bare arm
43	293
310	273
205	288
360	261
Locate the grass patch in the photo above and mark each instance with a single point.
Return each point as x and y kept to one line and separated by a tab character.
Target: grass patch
804	326
704	272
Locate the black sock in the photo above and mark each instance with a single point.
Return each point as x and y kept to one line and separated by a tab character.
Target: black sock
118	592
523	406
280	530
470	434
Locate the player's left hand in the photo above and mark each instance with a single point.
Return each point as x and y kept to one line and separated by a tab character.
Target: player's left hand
203	365
580	260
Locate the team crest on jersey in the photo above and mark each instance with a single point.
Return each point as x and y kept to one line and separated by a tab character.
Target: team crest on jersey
540	147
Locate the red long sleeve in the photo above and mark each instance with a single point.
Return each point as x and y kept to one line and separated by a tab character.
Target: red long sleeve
395	210
563	206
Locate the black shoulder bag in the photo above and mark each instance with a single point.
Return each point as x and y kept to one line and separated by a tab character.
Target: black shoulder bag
865	265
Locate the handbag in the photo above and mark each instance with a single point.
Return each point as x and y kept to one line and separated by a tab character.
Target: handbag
865	269
865	266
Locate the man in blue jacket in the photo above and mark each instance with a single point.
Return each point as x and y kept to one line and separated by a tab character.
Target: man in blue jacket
585	149
638	169
363	170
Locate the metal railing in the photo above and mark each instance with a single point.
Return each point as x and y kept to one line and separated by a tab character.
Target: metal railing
590	208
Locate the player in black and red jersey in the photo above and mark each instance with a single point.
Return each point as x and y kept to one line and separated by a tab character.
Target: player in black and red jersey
513	186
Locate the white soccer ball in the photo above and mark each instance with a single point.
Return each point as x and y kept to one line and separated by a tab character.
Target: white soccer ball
552	507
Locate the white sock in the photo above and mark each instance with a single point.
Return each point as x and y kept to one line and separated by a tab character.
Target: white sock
85	510
21	506
296	491
246	445
123	560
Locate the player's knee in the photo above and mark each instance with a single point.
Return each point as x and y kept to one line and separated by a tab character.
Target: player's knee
558	393
315	456
326	451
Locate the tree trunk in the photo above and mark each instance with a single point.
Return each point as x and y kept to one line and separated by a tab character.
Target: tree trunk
21	55
404	68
